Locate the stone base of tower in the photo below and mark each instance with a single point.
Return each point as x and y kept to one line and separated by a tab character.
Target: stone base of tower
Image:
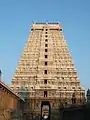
33	107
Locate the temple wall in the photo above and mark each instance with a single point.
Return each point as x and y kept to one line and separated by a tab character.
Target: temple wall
9	102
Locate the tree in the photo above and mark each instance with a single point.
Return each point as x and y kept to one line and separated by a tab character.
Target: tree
88	95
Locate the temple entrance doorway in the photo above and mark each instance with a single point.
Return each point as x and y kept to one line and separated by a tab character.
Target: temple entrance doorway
45	110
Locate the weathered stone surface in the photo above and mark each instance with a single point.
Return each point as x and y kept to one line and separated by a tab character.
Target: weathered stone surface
46	68
9	102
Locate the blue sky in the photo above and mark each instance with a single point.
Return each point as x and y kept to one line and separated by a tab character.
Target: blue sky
16	17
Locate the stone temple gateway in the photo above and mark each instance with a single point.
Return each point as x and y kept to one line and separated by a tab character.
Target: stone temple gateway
46	70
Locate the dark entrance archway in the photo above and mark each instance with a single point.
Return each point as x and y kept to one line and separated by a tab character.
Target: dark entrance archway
45	110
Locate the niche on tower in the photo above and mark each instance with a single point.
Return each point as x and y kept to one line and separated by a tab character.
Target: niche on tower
45	93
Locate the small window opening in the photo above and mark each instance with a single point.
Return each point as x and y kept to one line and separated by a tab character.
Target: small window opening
45	71
46	40
45	81
46	56
45	93
46	50
45	63
46	45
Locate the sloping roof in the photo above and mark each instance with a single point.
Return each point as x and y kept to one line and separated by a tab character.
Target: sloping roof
10	90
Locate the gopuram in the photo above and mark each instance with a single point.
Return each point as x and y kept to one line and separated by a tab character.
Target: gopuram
46	72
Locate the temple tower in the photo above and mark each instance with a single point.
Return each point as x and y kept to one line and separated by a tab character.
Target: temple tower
46	69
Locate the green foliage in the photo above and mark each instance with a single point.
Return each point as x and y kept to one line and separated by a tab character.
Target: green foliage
23	92
88	95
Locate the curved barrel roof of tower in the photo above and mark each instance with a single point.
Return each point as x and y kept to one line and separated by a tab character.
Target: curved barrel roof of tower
51	26
46	23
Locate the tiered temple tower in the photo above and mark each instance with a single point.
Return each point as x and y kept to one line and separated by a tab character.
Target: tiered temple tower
46	69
